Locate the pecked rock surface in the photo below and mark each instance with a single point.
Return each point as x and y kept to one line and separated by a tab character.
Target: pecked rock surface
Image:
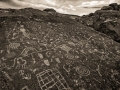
41	52
106	20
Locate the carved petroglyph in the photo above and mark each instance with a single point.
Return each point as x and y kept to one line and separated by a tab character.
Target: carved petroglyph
22	29
82	70
21	72
98	70
47	62
34	70
57	60
14	45
34	61
25	88
2	65
19	63
33	43
8	49
69	56
1	51
40	55
14	34
10	55
65	48
14	62
24	62
26	50
11	31
3	58
5	80
27	34
27	76
67	69
24	75
7	75
52	79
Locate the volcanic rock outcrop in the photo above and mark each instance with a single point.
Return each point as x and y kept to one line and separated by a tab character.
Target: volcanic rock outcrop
106	20
44	51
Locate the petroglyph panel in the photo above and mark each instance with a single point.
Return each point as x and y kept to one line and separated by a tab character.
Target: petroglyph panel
52	79
81	57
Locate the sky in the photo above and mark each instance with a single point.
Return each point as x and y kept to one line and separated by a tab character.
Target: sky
75	7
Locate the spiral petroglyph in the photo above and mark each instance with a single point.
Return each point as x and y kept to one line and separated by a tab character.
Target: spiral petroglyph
82	70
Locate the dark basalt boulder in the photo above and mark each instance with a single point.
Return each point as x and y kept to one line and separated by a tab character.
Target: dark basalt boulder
119	7
49	10
115	6
111	29
105	20
57	55
107	8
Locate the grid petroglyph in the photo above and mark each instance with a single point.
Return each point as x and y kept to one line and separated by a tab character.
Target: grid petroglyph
52	79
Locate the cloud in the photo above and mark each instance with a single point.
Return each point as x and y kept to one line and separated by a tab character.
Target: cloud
58	5
114	1
93	4
41	5
51	2
63	6
10	4
81	14
72	7
96	3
